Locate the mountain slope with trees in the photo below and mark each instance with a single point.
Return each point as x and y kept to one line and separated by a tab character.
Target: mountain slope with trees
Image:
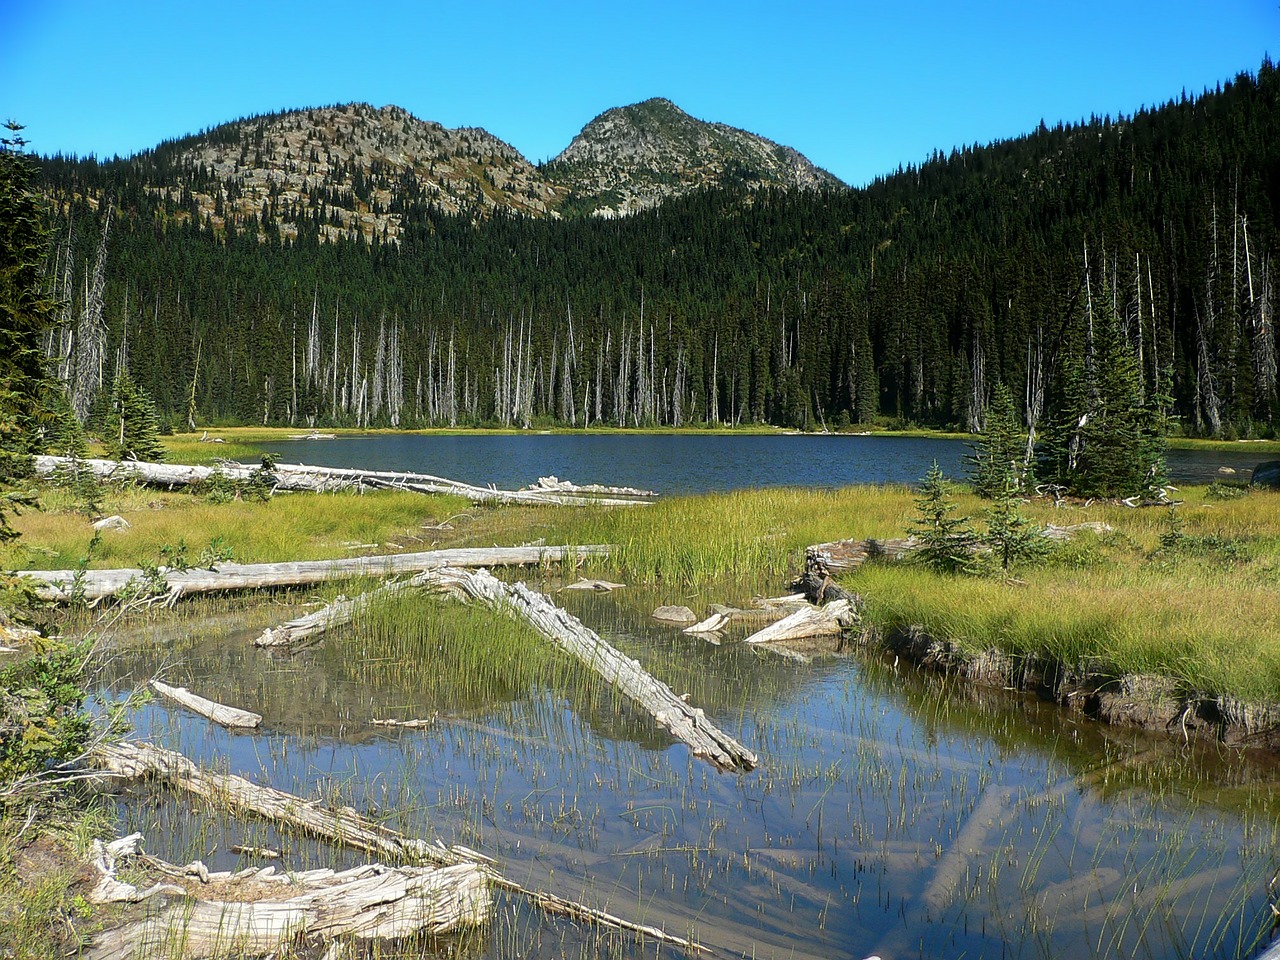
1047	263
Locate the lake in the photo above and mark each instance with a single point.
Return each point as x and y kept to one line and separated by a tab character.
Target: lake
687	463
893	813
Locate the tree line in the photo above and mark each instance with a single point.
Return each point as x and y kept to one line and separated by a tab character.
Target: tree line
1034	264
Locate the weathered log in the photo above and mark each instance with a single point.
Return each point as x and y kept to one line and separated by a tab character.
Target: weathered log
368	902
301	477
836	617
110	889
823	559
221	714
312	626
687	724
342	826
565	486
713	623
142	760
59	585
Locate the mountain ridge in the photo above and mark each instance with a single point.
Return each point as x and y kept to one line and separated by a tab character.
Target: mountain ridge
355	168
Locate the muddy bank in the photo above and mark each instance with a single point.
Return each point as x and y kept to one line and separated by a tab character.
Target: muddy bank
1147	701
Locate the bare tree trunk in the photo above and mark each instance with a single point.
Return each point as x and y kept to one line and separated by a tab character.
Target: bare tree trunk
89	343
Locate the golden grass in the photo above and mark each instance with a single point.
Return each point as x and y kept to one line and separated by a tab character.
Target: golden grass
289	527
1207	612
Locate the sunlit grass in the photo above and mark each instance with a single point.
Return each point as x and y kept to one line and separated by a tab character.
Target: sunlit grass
287	527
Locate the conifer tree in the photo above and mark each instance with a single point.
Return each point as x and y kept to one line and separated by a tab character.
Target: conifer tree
135	428
1011	537
999	457
946	541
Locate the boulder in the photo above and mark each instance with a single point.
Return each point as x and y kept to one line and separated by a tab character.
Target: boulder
1267	475
112	523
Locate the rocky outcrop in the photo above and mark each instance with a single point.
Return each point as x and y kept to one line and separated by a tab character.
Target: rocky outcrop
634	157
354	169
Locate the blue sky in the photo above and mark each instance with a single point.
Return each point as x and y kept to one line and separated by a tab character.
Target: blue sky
858	87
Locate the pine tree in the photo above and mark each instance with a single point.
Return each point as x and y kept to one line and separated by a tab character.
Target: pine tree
999	457
135	428
1011	537
946	542
26	312
1107	438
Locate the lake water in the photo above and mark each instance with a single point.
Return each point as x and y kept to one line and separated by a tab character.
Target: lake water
687	463
893	813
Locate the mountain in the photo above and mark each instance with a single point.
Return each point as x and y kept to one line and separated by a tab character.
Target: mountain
354	168
631	158
1153	238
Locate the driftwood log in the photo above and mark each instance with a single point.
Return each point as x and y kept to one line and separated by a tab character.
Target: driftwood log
257	912
135	761
60	585
301	477
221	714
824	559
832	618
687	724
343	826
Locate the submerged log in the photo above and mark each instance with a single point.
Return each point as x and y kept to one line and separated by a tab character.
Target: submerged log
142	760
249	918
824	559
301	477
219	713
687	724
834	618
343	826
60	585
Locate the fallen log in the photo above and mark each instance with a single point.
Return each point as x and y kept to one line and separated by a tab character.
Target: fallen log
312	626
60	585
301	477
137	761
836	617
343	826
823	559
557	485
250	918
221	714
687	724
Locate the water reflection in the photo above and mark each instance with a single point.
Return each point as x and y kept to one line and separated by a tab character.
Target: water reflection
893	812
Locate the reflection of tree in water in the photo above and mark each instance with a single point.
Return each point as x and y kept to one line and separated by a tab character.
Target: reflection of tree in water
1108	759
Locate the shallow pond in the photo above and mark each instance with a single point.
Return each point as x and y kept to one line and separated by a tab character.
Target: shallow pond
893	813
689	463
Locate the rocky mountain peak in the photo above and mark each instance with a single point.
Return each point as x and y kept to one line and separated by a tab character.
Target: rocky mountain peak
633	157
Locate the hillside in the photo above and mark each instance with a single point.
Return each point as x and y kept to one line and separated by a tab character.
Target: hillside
340	170
908	300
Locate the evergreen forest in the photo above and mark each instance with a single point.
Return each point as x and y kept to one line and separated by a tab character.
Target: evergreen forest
1136	251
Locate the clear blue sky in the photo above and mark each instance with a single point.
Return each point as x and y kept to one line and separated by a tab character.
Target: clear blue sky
858	87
